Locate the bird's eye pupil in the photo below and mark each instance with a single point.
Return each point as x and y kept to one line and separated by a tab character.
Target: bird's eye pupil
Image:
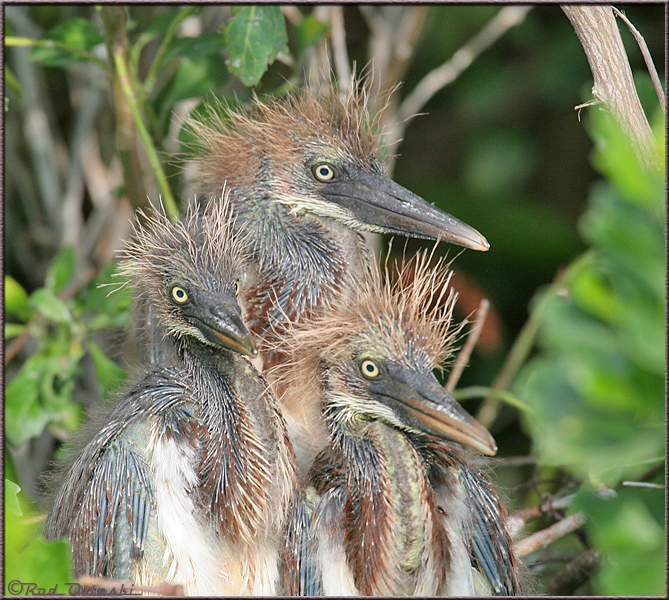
369	368
237	288
324	172
179	294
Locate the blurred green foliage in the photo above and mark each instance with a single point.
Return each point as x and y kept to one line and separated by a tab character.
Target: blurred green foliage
40	393
29	558
598	383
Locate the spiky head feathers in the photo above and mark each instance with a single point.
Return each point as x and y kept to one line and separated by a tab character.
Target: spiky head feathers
408	321
271	143
199	252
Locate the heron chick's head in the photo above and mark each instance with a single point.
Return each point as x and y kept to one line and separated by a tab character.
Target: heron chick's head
188	273
316	152
377	352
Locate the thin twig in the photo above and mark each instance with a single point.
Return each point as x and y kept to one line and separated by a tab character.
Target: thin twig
516	522
31	43
435	80
472	339
650	65
645	484
545	537
167	198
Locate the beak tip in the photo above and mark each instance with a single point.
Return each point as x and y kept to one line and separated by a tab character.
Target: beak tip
478	242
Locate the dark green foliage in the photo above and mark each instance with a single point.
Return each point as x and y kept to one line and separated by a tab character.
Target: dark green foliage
597	386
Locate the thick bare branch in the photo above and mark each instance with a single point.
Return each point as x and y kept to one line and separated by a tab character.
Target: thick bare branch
598	33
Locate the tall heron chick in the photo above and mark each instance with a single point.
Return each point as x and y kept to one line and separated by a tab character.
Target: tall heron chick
401	508
307	180
189	478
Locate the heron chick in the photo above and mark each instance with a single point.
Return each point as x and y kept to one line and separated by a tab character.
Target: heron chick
401	508
188	480
307	180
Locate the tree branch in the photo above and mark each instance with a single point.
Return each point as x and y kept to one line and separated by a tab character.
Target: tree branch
613	86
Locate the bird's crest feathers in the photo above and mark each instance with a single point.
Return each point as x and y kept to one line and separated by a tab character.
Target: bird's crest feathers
202	248
236	143
410	317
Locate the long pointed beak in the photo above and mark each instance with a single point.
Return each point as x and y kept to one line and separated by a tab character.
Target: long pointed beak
422	403
223	326
380	203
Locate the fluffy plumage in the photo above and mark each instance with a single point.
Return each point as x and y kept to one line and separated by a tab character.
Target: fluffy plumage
399	511
189	479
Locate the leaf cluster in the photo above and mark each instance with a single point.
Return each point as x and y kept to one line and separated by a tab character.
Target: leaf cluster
597	384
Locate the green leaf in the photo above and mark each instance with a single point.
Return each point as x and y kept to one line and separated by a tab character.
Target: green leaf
77	34
41	392
628	530
195	77
29	558
12	505
16	300
615	159
255	35
52	307
61	270
208	44
576	425
24	417
110	375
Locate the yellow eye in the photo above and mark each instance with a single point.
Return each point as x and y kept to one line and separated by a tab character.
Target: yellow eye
369	369
179	294
237	288
323	172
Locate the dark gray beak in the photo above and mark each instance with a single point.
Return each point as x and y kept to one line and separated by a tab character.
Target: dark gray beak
377	201
222	324
419	401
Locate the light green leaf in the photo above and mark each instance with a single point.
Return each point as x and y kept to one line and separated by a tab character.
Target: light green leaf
53	308
16	299
12	505
110	375
29	558
61	270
